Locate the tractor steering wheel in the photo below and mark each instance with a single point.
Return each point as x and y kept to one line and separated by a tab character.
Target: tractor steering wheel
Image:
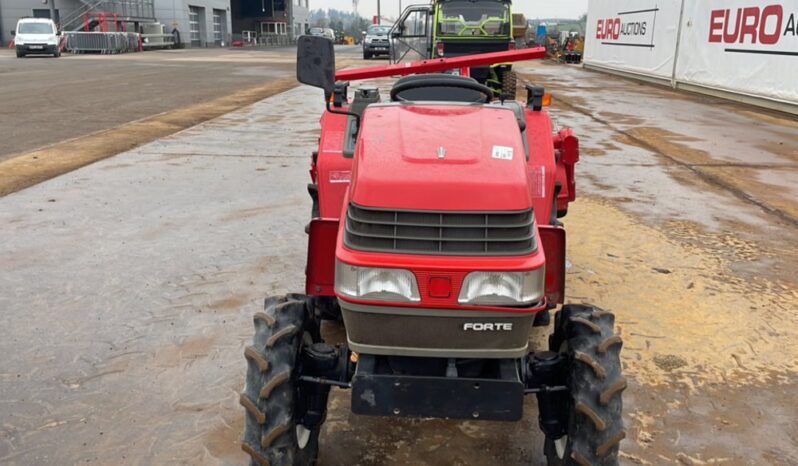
440	87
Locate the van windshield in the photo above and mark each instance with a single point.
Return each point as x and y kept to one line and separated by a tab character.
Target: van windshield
379	30
486	18
35	28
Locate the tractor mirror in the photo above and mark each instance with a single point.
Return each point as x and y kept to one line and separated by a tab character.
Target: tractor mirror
315	63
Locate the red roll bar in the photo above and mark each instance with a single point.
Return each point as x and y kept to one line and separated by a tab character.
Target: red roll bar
440	64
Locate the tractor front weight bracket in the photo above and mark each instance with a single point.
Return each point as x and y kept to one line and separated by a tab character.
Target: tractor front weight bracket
377	390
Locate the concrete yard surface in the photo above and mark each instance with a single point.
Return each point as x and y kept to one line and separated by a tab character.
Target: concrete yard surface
99	106
46	100
128	287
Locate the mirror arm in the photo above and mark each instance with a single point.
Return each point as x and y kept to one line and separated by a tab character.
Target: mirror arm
341	112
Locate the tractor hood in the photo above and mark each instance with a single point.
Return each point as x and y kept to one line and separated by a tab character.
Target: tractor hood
440	157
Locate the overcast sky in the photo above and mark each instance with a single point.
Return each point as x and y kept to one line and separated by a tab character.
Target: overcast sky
531	8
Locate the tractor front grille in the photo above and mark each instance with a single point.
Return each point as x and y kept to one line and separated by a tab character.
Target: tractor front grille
440	233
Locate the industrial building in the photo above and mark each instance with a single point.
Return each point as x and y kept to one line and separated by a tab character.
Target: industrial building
286	18
199	23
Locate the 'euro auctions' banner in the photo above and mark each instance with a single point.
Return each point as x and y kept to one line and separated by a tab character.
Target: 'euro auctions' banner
633	35
745	46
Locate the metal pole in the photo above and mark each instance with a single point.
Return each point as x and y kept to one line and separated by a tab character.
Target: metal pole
290	18
379	16
400	8
52	11
678	45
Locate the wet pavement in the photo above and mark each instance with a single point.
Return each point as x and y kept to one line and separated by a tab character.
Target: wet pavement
127	288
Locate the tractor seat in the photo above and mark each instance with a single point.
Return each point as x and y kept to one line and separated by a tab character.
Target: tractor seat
439	88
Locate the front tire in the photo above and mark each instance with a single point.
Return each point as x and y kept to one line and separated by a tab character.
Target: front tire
586	337
20	54
366	56
272	436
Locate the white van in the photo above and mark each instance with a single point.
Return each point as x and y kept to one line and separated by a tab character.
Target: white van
37	36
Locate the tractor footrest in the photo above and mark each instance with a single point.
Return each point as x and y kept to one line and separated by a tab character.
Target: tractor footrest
499	398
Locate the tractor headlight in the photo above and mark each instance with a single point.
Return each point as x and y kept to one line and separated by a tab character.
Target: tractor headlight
503	288
375	283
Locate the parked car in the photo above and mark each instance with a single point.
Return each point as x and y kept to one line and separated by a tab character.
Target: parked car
37	36
323	32
330	34
376	41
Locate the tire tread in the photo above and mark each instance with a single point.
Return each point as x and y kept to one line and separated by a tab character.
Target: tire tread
253	355
269	437
252	408
591	362
595	381
274	382
591	414
269	395
289	331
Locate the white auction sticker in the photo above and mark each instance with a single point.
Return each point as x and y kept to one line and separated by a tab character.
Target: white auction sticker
502	152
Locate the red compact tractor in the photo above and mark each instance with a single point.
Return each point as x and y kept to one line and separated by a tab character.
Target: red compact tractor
434	237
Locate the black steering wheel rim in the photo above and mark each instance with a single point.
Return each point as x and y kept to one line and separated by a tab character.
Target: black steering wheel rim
441	81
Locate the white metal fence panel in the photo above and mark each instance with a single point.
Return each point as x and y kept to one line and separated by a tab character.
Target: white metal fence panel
101	42
743	46
638	36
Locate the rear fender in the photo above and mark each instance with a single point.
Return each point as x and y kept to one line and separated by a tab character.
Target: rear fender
566	145
541	166
331	170
553	240
320	268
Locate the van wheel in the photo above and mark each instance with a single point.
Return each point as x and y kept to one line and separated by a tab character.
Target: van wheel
20	54
57	53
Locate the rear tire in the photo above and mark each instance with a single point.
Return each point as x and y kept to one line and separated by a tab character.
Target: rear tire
509	81
595	427
272	436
